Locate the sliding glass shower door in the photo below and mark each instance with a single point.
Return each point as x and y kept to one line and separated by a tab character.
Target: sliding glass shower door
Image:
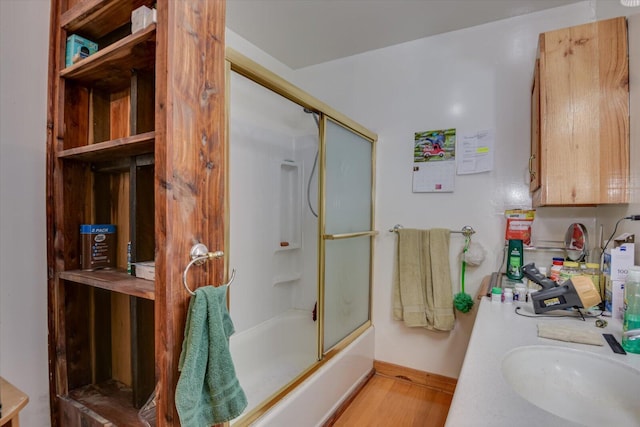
300	215
347	233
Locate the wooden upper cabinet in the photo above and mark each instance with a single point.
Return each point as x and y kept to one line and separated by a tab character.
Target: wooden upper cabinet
581	89
534	158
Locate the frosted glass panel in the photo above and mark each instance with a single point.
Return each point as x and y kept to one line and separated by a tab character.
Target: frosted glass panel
346	294
348	181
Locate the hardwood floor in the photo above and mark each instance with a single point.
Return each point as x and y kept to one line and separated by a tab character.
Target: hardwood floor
386	401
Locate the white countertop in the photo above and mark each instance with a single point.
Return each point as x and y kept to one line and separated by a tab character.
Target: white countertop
482	396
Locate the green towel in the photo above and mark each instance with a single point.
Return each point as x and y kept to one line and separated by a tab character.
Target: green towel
208	391
422	289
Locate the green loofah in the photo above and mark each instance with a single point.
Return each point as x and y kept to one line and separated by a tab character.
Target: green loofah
463	302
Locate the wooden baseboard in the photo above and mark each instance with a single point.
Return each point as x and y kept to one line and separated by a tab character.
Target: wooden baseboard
435	381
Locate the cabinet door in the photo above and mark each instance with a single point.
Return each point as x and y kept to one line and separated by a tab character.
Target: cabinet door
634	90
534	159
584	115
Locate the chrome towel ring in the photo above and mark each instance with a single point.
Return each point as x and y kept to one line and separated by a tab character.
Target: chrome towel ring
199	255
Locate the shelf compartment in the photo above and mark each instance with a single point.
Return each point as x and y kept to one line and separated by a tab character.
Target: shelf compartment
110	68
290	209
112	150
112	280
104	404
96	18
286	278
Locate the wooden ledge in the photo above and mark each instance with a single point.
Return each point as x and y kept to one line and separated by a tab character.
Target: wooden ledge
13	400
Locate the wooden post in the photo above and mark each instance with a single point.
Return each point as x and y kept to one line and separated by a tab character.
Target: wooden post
189	188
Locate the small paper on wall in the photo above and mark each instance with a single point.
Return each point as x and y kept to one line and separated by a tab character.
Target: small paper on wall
434	161
475	152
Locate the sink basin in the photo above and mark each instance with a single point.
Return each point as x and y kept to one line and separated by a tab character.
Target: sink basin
576	385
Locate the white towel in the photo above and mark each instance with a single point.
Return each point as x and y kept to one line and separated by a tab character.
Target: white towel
569	334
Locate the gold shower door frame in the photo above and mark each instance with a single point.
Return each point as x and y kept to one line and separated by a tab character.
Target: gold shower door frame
240	64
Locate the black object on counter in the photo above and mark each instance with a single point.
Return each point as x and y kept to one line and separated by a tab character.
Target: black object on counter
614	344
532	273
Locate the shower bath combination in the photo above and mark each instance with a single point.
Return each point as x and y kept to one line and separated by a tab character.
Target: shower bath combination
292	244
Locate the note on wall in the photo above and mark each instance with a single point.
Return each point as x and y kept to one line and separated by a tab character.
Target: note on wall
475	152
434	161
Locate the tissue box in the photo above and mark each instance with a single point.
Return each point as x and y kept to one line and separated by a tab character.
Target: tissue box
142	17
78	48
615	268
146	270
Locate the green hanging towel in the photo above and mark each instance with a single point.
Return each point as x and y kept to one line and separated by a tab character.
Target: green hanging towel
208	391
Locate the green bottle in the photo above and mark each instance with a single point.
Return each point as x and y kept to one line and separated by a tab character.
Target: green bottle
514	259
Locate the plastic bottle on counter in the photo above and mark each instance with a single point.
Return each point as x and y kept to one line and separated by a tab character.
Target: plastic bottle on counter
515	259
496	294
556	267
507	296
520	292
631	323
592	270
569	269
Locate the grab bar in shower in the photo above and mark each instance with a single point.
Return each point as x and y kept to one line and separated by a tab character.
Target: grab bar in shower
199	255
466	231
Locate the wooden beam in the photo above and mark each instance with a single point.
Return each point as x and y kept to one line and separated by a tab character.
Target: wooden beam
190	141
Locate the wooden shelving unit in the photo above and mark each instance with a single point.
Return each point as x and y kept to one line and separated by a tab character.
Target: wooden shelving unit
135	138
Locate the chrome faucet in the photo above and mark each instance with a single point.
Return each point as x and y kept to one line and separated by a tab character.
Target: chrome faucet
633	334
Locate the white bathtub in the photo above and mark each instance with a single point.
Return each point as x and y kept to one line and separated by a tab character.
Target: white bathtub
269	355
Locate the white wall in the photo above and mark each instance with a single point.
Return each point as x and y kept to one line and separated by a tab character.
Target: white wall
472	79
24	29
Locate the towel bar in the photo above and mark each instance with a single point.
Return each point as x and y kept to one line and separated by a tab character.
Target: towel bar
199	255
467	230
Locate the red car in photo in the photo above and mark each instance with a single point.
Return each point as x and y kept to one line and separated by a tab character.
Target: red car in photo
430	150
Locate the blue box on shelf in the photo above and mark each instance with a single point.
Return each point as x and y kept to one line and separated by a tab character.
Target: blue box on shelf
78	48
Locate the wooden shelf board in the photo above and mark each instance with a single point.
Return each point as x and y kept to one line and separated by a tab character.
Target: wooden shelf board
111	67
112	150
112	280
96	18
110	400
